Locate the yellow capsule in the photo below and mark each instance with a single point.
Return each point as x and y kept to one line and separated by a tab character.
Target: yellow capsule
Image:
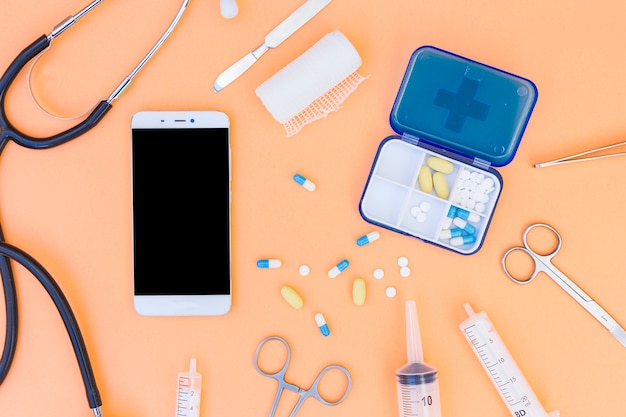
440	165
292	297
441	185
358	291
425	179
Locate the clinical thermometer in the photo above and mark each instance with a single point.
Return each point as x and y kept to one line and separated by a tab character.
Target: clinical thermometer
500	366
188	392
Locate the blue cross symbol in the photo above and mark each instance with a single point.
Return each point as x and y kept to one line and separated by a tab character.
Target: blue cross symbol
462	104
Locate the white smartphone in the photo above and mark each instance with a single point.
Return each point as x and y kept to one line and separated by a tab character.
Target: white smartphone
181	174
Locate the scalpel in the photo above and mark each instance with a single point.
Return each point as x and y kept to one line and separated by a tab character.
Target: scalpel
277	36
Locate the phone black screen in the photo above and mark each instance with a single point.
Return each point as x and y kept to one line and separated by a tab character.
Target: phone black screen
181	211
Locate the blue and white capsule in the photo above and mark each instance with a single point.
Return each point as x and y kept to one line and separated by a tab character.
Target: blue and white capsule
450	233
304	182
464	224
462	240
467	215
321	324
447	222
338	269
269	263
368	238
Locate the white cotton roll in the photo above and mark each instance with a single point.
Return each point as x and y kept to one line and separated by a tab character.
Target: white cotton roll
323	66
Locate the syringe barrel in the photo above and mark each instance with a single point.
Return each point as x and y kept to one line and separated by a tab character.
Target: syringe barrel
418	391
500	366
188	393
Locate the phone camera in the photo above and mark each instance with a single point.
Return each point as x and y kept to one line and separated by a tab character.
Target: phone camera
192	120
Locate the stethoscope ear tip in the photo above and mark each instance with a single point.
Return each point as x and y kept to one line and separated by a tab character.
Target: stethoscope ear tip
229	8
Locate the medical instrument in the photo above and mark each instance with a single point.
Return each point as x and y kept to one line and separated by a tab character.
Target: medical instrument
313	85
273	39
292	297
312	391
338	269
418	387
320	320
584	156
500	366
229	8
9	132
188	390
543	263
306	183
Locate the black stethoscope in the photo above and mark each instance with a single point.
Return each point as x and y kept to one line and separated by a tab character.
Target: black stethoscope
9	132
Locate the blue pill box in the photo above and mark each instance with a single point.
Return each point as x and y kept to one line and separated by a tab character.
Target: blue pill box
456	119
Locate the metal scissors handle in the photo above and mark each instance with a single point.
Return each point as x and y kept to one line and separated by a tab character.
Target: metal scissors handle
543	263
312	391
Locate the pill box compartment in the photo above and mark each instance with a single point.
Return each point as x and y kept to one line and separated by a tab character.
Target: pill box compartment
456	119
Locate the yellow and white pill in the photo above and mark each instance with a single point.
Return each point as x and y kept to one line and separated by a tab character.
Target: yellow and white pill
359	292
441	185
425	179
292	297
440	165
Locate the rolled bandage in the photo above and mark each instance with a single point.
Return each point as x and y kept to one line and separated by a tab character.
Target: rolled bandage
314	84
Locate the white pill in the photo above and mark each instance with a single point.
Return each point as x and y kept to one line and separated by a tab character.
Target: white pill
304	270
379	273
390	292
425	206
405	271
403	261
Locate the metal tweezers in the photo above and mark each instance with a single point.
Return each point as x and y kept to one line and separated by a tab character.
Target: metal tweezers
582	156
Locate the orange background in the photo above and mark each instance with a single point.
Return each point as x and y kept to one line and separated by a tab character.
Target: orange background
70	207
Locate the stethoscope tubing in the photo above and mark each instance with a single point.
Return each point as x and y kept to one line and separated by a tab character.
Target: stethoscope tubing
62	305
10	132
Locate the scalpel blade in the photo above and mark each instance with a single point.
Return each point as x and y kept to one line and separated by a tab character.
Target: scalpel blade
277	36
619	333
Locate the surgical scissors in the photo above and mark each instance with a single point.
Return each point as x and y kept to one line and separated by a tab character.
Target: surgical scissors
312	391
8	252
543	263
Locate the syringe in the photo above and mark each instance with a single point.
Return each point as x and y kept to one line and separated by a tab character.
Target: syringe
418	387
500	366
188	392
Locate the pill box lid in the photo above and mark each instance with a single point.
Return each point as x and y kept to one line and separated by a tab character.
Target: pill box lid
462	105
